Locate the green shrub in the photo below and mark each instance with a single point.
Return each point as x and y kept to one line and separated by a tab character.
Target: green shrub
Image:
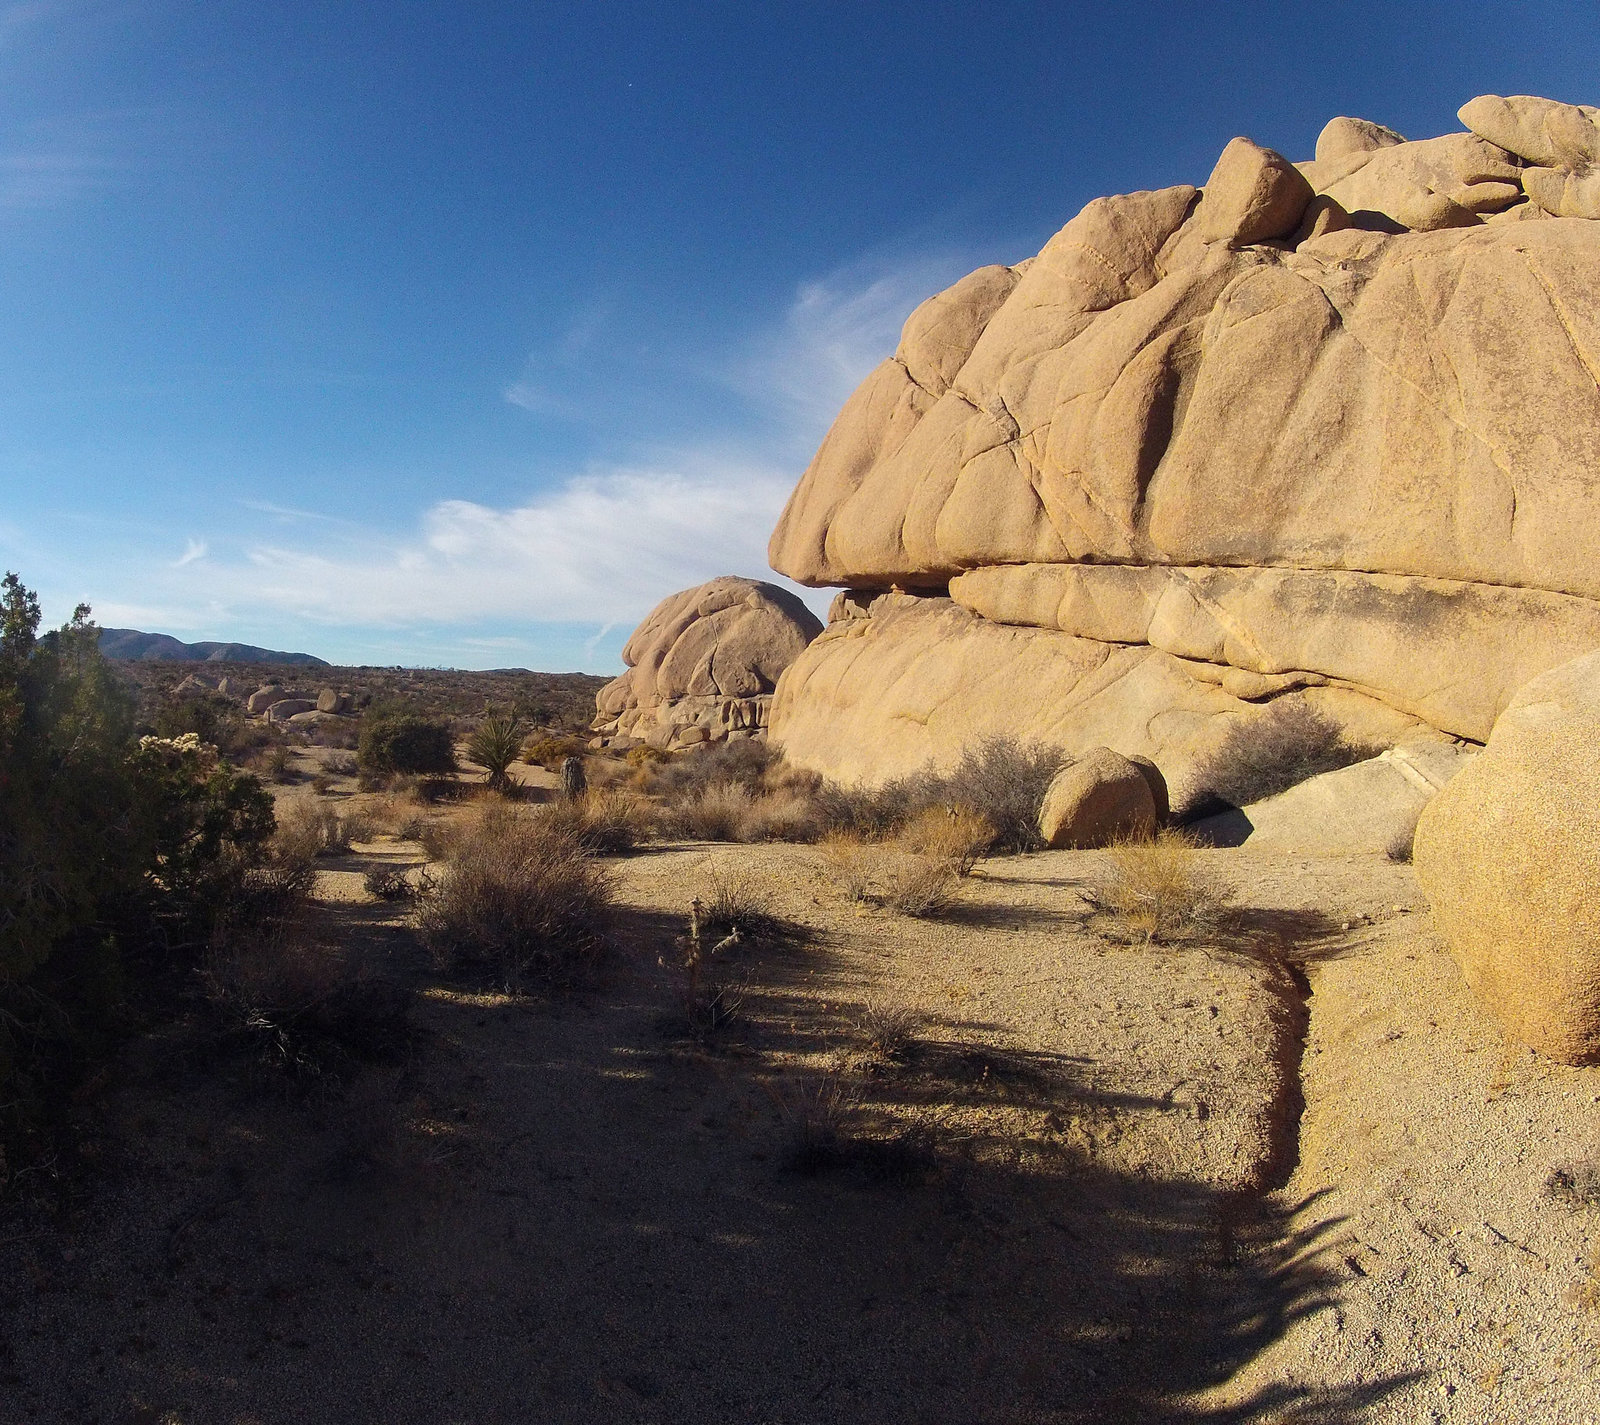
111	851
495	744
404	743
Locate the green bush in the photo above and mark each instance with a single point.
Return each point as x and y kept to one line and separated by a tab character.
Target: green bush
112	851
495	744
404	743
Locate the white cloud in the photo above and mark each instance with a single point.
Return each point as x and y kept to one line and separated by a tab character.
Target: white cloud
602	549
599	549
837	329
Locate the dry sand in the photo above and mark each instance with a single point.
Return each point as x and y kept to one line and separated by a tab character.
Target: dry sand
1103	1201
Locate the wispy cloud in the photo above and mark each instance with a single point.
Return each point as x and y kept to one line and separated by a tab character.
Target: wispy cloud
836	330
601	549
594	551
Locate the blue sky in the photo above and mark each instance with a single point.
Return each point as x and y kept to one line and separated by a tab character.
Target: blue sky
454	333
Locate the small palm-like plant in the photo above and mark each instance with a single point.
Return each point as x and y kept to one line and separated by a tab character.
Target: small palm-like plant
495	744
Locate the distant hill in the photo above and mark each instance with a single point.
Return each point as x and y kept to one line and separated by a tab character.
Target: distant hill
161	648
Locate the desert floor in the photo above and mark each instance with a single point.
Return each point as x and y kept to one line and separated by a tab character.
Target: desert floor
1291	1175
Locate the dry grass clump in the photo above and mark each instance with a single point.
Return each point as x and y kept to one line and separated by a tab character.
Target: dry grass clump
607	821
953	834
1575	1184
919	886
1160	890
720	812
732	903
906	882
888	1029
847	859
521	896
1287	744
307	828
816	1119
306	1009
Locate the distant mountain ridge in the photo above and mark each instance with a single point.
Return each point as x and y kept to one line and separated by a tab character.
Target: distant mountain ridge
160	647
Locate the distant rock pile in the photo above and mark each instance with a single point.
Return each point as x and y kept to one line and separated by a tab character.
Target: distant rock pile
1326	430
702	666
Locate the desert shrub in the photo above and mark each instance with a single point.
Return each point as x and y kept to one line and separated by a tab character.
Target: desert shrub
495	744
213	719
999	780
403	742
847	860
785	815
322	784
519	896
644	755
615	820
308	1010
1159	891
1004	781
952	834
115	853
1288	743
388	883
721	811
888	1029
918	886
744	763
275	762
550	752
322	830
341	764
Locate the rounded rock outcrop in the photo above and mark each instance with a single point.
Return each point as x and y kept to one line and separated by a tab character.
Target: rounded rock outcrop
1326	429
1509	856
703	664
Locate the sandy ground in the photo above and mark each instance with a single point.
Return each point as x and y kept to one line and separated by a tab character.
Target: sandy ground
1117	1189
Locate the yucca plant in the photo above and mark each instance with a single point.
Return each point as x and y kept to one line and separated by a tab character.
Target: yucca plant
495	744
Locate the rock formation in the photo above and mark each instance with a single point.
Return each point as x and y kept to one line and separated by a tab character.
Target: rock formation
1509	855
1325	430
703	664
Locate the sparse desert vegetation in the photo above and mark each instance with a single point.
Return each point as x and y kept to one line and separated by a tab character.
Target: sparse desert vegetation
867	992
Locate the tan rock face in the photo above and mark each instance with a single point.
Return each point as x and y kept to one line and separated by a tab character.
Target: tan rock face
705	659
1509	855
1323	426
906	682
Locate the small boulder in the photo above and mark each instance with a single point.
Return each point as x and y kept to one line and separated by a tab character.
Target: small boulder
1254	194
286	708
1096	800
1344	136
328	700
263	698
1509	856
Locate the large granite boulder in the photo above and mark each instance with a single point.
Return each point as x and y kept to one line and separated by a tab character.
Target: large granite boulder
703	664
1321	426
1509	855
